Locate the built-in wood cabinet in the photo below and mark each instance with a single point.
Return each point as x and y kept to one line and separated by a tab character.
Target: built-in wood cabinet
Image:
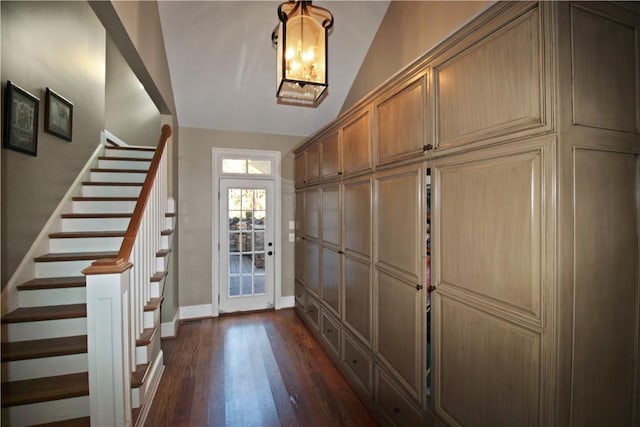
471	241
313	163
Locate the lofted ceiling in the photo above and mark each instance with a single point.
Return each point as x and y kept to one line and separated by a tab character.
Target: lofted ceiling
223	65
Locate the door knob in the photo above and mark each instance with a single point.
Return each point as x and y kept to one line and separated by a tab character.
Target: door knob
270	253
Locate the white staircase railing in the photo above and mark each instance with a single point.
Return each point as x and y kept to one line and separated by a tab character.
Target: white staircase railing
117	291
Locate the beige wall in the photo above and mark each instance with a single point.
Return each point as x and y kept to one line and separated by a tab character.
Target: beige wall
195	217
130	114
62	46
408	30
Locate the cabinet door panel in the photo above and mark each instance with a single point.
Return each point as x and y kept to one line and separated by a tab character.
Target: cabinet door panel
356	145
313	163
299	224
331	332
331	215
312	213
399	329
398	227
357	360
494	88
331	278
357	297
301	169
311	266
605	290
300	258
487	370
357	217
330	148
401	123
395	405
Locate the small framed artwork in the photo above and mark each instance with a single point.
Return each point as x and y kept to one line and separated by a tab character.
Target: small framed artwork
20	120
58	115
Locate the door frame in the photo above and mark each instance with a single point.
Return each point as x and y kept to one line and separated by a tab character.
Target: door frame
217	154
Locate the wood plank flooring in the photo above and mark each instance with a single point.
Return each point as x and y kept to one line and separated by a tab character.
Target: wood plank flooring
260	369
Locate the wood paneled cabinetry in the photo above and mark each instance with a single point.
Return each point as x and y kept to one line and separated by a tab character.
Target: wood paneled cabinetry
525	126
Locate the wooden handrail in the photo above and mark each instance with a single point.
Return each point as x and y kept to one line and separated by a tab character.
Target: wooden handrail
121	262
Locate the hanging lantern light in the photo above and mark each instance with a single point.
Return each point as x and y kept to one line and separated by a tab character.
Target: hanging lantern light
301	42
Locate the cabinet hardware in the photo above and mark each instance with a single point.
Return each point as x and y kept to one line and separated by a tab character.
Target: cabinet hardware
328	331
270	253
269	244
419	287
340	173
340	253
427	147
396	410
431	288
354	361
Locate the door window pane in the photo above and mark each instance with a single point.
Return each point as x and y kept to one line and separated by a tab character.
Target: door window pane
259	167
234	166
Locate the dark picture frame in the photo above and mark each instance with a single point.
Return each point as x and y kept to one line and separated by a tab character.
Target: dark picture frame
20	120
58	115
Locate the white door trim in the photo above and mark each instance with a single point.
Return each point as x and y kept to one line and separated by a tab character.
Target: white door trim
217	154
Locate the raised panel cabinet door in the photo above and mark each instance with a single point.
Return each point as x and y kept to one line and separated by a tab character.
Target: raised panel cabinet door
400	341
357	217
313	163
356	144
312	213
401	122
398	195
357	297
495	87
605	288
330	154
331	279
300	169
311	272
331	215
299	214
300	258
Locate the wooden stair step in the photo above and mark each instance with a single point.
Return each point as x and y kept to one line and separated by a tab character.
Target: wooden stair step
51	312
53	283
83	234
128	159
112	184
76	422
133	148
163	253
146	336
118	170
50	347
96	215
166	232
103	199
159	276
44	389
135	413
75	256
139	375
170	214
153	304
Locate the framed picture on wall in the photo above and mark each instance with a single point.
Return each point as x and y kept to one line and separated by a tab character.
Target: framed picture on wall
58	115
20	120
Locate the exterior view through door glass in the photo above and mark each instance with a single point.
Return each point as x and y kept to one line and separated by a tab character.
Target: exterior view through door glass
246	245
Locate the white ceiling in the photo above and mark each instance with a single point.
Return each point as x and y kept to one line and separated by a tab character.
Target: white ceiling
223	65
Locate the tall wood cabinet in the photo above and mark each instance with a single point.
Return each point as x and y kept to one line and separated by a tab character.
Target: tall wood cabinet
467	234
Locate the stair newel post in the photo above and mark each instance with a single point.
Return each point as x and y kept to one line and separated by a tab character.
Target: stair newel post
108	347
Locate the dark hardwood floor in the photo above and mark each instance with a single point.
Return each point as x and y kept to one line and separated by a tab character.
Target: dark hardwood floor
252	370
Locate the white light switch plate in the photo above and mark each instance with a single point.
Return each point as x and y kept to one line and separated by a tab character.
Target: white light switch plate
292	225
292	237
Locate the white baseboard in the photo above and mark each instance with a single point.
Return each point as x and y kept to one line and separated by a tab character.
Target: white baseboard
196	311
170	329
287	302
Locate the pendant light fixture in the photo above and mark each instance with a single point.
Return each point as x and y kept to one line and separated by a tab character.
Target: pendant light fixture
301	43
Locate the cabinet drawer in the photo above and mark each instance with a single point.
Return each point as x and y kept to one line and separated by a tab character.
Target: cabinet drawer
394	403
331	332
313	310
357	360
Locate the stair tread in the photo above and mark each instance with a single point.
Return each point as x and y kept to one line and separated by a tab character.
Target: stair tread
127	159
146	336
113	184
75	422
170	214
153	303
166	232
75	256
139	375
50	312
34	349
44	389
81	234
159	276
118	170
103	199
53	283
96	215
132	148
163	252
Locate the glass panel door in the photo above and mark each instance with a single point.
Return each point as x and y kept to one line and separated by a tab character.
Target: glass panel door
246	246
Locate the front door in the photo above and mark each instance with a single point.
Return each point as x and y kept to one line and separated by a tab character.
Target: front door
246	244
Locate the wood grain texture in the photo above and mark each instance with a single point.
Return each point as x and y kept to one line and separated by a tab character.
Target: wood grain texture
356	214
313	163
331	279
356	144
331	215
330	155
260	369
357	297
44	389
312	213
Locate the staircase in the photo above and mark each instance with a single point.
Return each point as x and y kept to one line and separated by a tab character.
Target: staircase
45	345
